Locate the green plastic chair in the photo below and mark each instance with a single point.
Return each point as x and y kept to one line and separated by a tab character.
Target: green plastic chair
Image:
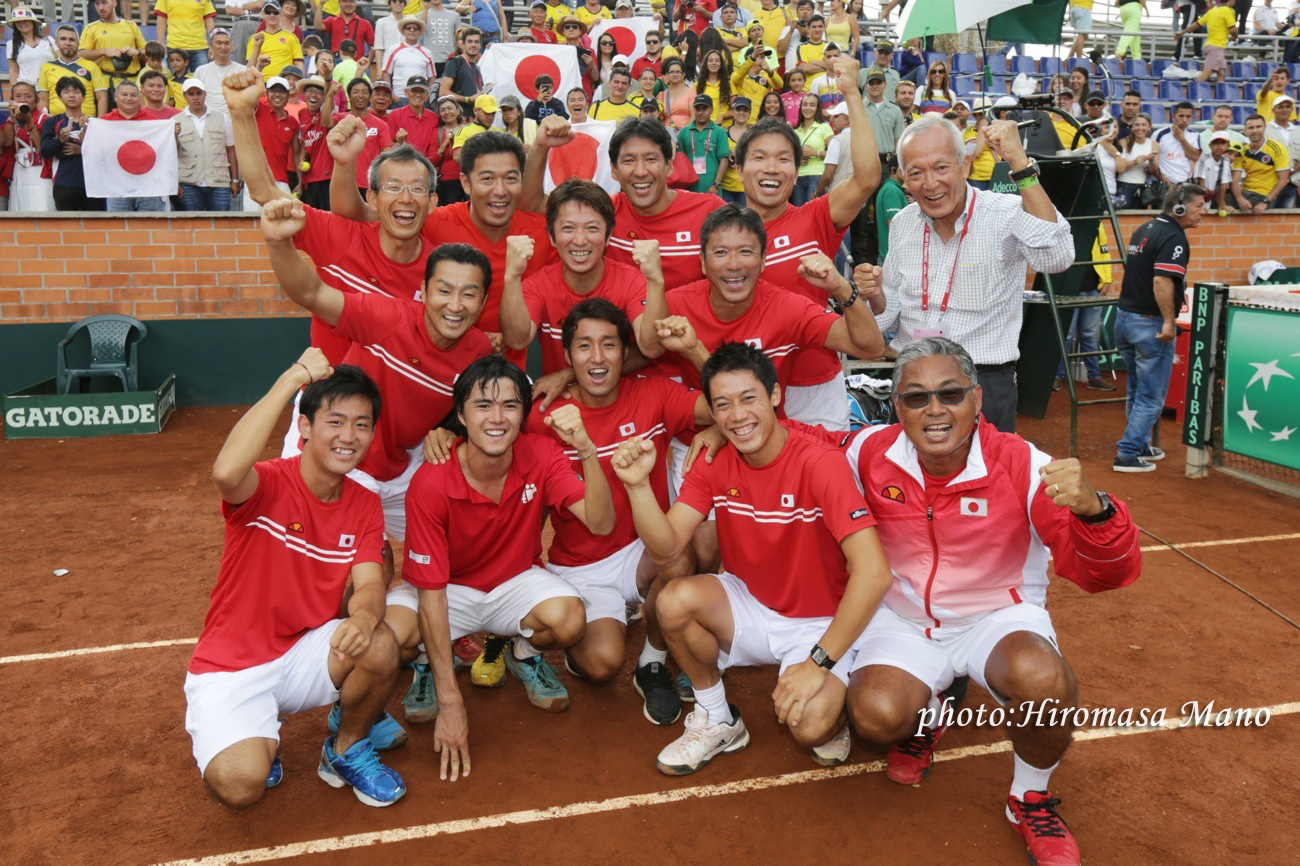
112	351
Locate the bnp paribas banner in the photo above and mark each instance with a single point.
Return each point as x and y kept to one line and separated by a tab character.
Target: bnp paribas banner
1261	416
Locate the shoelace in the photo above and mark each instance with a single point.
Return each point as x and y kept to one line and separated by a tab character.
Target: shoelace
1042	818
920	746
545	676
492	649
366	762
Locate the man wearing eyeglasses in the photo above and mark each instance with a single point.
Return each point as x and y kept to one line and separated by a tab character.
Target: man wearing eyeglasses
968	517
654	54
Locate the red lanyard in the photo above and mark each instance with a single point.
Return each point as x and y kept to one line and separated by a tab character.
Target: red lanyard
925	261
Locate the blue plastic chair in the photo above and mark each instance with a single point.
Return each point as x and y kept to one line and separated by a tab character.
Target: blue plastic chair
1250	91
1158	68
1241	112
964	64
998	63
1023	64
1159	114
113	353
1200	91
1171	91
1227	91
1049	65
1146	88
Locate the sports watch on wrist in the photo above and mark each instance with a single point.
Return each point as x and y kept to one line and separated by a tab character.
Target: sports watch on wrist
1106	513
821	658
1027	172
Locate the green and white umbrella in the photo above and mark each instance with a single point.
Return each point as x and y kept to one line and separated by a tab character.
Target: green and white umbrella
936	17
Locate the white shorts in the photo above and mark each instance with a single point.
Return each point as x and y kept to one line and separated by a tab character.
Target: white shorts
826	404
676	472
392	493
607	586
761	636
227	707
500	611
1080	19
960	651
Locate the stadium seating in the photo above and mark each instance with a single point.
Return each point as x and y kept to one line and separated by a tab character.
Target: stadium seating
964	64
1026	65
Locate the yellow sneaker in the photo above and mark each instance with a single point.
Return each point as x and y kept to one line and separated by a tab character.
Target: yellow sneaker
489	669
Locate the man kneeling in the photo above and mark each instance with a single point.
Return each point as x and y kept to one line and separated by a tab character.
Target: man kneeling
805	568
297	530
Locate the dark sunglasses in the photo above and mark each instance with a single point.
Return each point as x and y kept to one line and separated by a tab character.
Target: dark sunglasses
951	396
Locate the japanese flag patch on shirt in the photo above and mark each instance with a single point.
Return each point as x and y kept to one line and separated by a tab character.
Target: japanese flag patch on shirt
972	507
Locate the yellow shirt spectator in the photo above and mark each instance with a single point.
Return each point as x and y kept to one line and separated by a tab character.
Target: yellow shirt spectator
810	52
554	14
981	168
99	36
281	46
742	84
1262	166
603	109
1217	23
773	21
184	20
467	132
1082	4
587	17
94	79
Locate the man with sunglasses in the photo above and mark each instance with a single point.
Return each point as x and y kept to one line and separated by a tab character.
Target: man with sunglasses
968	517
654	54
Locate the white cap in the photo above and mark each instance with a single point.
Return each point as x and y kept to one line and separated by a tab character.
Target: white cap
838	109
1007	102
276	79
620	59
191	83
1221	135
1283	98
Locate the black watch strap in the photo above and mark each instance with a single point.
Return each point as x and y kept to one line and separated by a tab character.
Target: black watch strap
1028	171
821	658
1106	513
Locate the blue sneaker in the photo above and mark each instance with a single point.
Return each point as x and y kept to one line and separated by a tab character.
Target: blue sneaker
276	776
1152	453
372	782
544	691
385	734
1132	464
685	690
420	705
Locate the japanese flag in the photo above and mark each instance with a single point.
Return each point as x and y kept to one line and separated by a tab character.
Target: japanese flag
587	157
974	507
128	158
511	69
629	34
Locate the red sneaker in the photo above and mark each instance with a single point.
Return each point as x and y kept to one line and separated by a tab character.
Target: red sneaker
909	761
1046	833
463	651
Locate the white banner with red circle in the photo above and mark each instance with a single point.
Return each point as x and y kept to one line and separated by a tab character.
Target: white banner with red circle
629	34
130	158
512	68
586	157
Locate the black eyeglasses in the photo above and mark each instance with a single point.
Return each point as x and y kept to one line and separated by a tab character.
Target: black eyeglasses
951	396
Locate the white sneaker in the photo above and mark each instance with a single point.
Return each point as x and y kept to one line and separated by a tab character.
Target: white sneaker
701	743
834	751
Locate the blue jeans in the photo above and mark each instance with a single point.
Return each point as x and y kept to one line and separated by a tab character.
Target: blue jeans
198	57
1149	362
732	197
1086	323
205	197
804	187
145	203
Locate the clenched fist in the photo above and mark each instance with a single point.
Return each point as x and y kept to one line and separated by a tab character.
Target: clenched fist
519	250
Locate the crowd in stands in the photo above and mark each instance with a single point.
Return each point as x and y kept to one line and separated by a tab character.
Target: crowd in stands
708	71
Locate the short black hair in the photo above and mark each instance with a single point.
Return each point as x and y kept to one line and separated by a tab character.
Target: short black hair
543	81
149	75
768	126
1184	105
490	368
359	80
487	143
1128	93
733	357
732	216
347	380
70	82
596	308
462	254
584	192
639	127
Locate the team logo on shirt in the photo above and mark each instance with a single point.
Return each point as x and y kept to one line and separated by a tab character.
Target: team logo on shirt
683	237
633	236
787	500
858	514
973	507
347	540
733	492
893	494
627	429
413	361
530	490
756	342
781	243
295	527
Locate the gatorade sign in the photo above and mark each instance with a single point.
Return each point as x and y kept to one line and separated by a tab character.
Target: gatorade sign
39	412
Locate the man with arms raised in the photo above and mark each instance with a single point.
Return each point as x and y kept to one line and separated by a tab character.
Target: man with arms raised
957	255
473	553
579	219
805	571
968	517
298	533
768	158
614	570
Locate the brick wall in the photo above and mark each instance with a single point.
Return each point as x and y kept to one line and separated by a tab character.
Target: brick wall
62	269
65	268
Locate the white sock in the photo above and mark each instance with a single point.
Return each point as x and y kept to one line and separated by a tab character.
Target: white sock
714	701
524	650
650	655
1029	778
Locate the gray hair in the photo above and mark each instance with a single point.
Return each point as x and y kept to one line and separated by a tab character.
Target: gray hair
925	124
401	153
929	347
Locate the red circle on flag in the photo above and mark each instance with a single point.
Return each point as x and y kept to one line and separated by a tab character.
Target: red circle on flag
624	40
578	158
136	157
531	67
973	507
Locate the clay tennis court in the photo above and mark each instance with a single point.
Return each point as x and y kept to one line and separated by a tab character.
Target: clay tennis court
97	765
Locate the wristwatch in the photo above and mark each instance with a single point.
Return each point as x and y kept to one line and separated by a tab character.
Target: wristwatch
1106	513
821	658
1027	172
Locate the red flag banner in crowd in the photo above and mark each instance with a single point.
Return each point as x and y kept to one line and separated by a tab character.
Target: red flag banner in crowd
629	34
130	158
586	157
511	69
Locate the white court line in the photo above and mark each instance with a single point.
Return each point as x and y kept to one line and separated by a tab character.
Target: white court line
594	807
85	651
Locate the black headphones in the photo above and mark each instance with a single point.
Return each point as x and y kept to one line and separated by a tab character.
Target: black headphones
1180	207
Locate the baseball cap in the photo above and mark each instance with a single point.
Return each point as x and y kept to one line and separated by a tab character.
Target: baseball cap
1094	96
381	84
884	47
1283	98
1221	135
277	81
272	5
417	81
838	109
191	83
487	102
536	3
509	101
876	75
1007	102
621	3
741	102
292	70
703	100
963	103
620	60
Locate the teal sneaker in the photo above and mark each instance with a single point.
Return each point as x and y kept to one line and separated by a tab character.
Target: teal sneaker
420	705
372	782
544	690
276	776
685	690
385	734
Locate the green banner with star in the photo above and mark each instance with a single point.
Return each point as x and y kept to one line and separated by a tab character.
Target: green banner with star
1261	413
